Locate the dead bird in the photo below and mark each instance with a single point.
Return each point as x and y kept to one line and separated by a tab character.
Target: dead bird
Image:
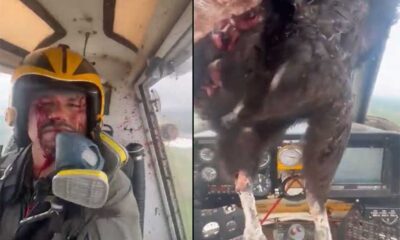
253	83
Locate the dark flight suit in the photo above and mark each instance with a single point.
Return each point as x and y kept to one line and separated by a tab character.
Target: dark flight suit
117	219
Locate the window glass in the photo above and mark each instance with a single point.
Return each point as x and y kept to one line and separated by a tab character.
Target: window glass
174	117
5	130
385	99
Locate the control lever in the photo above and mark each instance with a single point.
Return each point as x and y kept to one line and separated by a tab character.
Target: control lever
55	209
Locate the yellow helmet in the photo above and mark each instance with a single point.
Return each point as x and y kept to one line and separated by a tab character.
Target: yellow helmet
47	69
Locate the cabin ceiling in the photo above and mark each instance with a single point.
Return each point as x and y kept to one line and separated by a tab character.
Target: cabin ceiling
16	24
123	34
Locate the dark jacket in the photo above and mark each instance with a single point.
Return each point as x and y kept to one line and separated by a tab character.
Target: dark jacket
117	219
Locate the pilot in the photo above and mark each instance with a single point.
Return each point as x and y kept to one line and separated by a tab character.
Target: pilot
56	91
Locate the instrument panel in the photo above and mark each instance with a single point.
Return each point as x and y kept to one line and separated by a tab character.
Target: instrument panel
363	222
219	223
368	173
368	169
213	190
227	223
371	222
293	230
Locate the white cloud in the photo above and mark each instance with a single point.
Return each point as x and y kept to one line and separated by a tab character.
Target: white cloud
175	92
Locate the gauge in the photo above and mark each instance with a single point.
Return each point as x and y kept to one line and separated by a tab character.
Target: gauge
231	226
262	185
206	154
290	155
265	160
211	229
229	209
296	232
208	174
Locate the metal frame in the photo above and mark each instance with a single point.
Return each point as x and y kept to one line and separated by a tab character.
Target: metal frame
40	11
173	52
369	70
164	173
9	47
108	25
370	73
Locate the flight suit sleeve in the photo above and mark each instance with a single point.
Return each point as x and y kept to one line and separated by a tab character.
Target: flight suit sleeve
119	218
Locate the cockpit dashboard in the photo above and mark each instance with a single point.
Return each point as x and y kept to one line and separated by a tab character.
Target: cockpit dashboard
365	189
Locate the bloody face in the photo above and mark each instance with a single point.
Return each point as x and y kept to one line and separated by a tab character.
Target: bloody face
52	113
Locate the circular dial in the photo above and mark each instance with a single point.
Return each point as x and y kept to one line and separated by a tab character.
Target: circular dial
262	185
264	161
296	232
231	225
208	174
206	154
290	156
211	229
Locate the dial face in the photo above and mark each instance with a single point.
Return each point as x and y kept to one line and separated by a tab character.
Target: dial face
208	174
262	185
229	209
290	156
210	229
231	225
296	232
265	160
206	154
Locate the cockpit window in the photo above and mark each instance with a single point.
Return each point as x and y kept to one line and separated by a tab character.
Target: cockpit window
385	99
170	101
5	130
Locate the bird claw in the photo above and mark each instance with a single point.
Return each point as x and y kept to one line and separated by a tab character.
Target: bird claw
242	183
322	229
253	227
229	120
233	117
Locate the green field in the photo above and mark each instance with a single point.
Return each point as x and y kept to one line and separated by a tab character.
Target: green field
180	160
385	107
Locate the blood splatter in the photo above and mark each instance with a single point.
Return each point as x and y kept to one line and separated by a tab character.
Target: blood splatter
57	113
48	160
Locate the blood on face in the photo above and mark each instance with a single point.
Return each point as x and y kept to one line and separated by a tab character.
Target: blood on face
51	114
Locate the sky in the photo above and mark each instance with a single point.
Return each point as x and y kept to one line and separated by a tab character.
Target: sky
176	101
175	93
175	90
388	80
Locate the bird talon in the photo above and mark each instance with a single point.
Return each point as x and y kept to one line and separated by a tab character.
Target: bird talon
242	182
229	120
